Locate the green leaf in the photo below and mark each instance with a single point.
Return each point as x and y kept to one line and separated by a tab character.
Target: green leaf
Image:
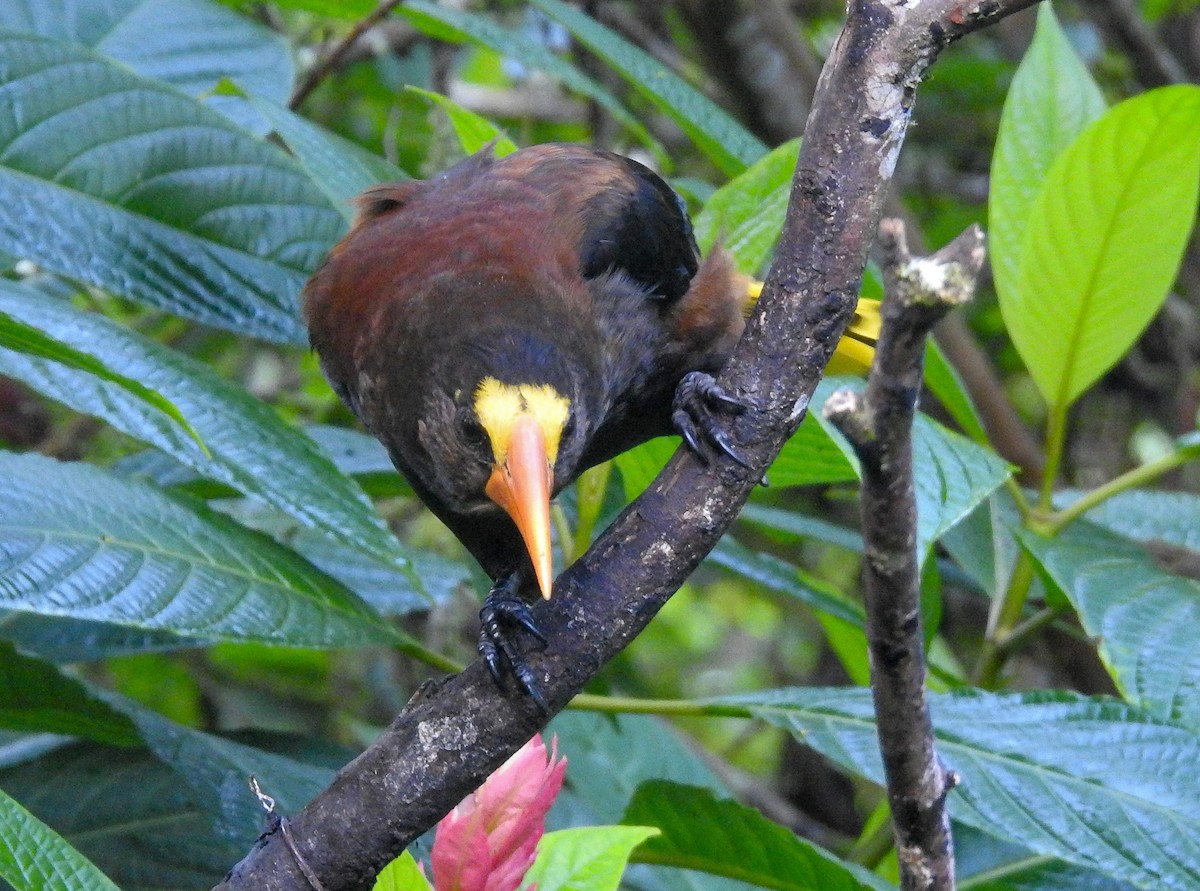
1145	620
77	542
794	523
816	454
952	475
591	858
447	23
943	381
339	168
611	755
1104	239
190	45
16	335
1146	515
249	447
216	772
1051	99
782	577
746	214
36	697
722	139
129	186
984	863
1094	782
402	874
33	857
474	130
128	813
701	832
338	9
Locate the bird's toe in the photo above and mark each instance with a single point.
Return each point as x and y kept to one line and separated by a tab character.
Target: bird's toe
502	615
697	400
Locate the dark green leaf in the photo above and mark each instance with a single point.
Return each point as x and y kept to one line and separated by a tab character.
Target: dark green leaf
36	697
216	772
249	448
77	542
1091	781
944	382
190	45
129	186
23	338
448	23
780	576
952	476
1145	620
702	832
339	168
128	812
722	139
33	857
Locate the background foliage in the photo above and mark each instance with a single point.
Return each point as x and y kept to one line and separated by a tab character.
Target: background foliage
207	572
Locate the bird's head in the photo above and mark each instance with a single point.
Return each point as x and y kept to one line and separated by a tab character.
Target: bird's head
497	440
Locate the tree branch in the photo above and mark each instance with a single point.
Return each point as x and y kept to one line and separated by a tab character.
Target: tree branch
878	424
443	745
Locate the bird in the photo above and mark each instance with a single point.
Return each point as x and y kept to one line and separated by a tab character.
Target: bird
512	321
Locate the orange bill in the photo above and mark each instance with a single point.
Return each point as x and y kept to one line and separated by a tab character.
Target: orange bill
521	485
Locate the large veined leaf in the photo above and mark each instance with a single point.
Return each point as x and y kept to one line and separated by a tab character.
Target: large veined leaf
36	697
33	857
1144	619
952	475
215	770
127	812
746	214
1092	781
448	23
590	858
700	831
127	185
22	338
78	542
190	44
248	447
339	168
722	139
1104	238
983	862
1051	99
1146	515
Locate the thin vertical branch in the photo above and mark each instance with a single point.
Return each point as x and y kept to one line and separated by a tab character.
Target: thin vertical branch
878	423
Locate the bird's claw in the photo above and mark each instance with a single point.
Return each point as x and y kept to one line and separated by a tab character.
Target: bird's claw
696	399
502	613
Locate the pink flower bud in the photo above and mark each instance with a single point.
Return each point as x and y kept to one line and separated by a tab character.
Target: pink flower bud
487	842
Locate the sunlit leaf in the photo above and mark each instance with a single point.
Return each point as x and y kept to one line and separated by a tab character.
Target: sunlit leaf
1104	238
1051	99
474	130
33	857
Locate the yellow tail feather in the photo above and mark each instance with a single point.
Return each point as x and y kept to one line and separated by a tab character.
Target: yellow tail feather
856	349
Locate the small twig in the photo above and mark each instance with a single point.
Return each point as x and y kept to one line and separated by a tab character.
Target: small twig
321	70
1123	25
879	426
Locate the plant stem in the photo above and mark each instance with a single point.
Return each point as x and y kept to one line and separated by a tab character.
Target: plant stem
588	702
1056	437
1130	479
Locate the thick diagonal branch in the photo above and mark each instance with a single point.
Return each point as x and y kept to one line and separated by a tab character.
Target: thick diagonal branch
878	423
445	744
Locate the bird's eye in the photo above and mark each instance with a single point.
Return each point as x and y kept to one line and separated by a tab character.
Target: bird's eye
471	430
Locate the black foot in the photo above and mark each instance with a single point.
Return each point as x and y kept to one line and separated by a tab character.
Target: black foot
503	613
697	398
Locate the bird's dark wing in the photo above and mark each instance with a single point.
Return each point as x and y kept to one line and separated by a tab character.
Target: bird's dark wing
639	225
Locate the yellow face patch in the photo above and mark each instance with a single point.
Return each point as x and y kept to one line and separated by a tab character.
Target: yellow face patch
498	405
